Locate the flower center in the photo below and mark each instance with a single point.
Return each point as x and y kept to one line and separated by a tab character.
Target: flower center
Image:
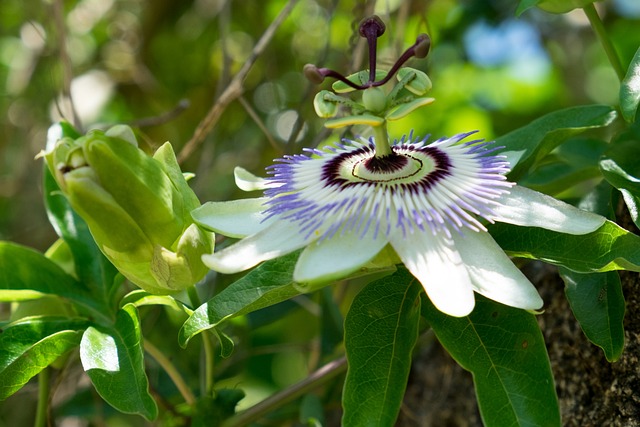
406	166
393	167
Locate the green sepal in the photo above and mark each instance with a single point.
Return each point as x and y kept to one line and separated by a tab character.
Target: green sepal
173	269
325	107
405	109
417	82
138	184
362	119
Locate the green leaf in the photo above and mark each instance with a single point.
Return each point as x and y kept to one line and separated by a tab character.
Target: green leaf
113	358
141	298
268	284
23	270
91	266
527	145
620	167
552	6
31	344
504	350
381	330
630	89
598	304
571	164
608	248
525	4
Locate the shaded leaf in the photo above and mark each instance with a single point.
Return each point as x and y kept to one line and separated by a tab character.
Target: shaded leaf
504	350
608	248
31	344
114	360
268	284
381	330
571	164
620	167
597	302
552	6
630	89
23	270
527	145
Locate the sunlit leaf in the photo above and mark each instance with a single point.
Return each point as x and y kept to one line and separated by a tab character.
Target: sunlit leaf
141	298
527	145
630	89
31	344
597	302
114	360
24	270
504	350
381	330
608	248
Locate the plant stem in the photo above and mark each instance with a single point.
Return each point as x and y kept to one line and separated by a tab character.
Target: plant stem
598	27
209	362
207	345
43	398
171	370
317	378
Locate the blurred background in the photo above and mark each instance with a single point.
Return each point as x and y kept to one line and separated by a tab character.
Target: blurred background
161	65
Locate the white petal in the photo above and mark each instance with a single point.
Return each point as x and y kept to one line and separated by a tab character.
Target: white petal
236	218
437	265
523	206
247	181
336	257
492	272
278	239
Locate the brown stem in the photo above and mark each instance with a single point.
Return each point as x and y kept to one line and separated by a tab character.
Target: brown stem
235	89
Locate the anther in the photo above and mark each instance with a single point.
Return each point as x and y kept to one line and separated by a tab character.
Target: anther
371	28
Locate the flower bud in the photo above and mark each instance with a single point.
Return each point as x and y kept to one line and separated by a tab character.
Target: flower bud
137	207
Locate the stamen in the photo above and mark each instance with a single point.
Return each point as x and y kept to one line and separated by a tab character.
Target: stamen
371	28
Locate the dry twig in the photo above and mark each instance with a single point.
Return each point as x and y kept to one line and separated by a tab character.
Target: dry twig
235	88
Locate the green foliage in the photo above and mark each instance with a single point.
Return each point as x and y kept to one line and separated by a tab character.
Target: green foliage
608	248
504	350
630	89
381	329
526	146
597	302
23	270
29	345
560	135
113	359
268	284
